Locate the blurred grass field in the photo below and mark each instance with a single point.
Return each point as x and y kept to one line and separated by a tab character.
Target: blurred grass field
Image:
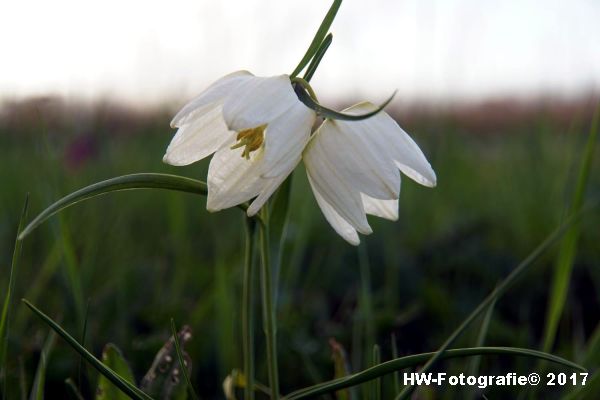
130	261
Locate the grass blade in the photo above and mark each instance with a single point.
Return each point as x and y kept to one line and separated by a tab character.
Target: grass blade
4	318
182	362
589	391
395	355
377	383
278	224
125	386
499	291
37	390
125	182
483	330
319	36
568	246
73	390
417	359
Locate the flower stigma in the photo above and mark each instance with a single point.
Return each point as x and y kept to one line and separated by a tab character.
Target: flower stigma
251	138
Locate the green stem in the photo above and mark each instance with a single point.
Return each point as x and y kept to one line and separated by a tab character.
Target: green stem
302	82
247	314
269	323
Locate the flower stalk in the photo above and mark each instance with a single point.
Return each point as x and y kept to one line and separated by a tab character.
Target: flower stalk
268	306
247	310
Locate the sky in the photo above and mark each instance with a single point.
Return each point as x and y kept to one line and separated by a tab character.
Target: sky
155	52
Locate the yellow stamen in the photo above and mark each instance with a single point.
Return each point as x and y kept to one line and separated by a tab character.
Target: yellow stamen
251	139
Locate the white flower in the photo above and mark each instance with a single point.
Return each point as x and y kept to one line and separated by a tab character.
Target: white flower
256	127
353	169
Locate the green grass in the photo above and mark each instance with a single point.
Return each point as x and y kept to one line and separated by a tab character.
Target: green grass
144	257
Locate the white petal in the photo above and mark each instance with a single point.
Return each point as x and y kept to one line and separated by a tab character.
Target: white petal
232	179
332	184
215	93
269	185
361	156
406	153
339	224
387	209
285	138
199	137
257	101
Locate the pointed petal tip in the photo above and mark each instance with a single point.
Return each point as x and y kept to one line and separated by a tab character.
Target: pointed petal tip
252	210
212	209
166	159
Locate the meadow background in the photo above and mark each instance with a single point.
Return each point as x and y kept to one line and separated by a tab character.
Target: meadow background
127	262
499	95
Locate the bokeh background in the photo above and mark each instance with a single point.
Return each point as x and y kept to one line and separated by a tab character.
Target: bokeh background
499	95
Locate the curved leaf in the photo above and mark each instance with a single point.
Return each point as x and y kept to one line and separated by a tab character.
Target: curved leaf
332	114
125	182
417	359
500	290
117	380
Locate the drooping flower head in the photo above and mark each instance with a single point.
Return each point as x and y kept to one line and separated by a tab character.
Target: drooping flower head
255	126
354	169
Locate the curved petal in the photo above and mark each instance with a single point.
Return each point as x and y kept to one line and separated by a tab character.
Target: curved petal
339	224
361	156
332	184
285	138
269	185
257	101
232	179
215	93
387	209
407	155
199	137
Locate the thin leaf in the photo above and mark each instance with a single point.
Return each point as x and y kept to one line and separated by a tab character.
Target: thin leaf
73	389
483	330
417	359
4	318
278	224
125	386
314	64
318	39
37	390
568	246
499	291
589	391
125	182
377	383
182	362
395	355
113	359
332	114
592	352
